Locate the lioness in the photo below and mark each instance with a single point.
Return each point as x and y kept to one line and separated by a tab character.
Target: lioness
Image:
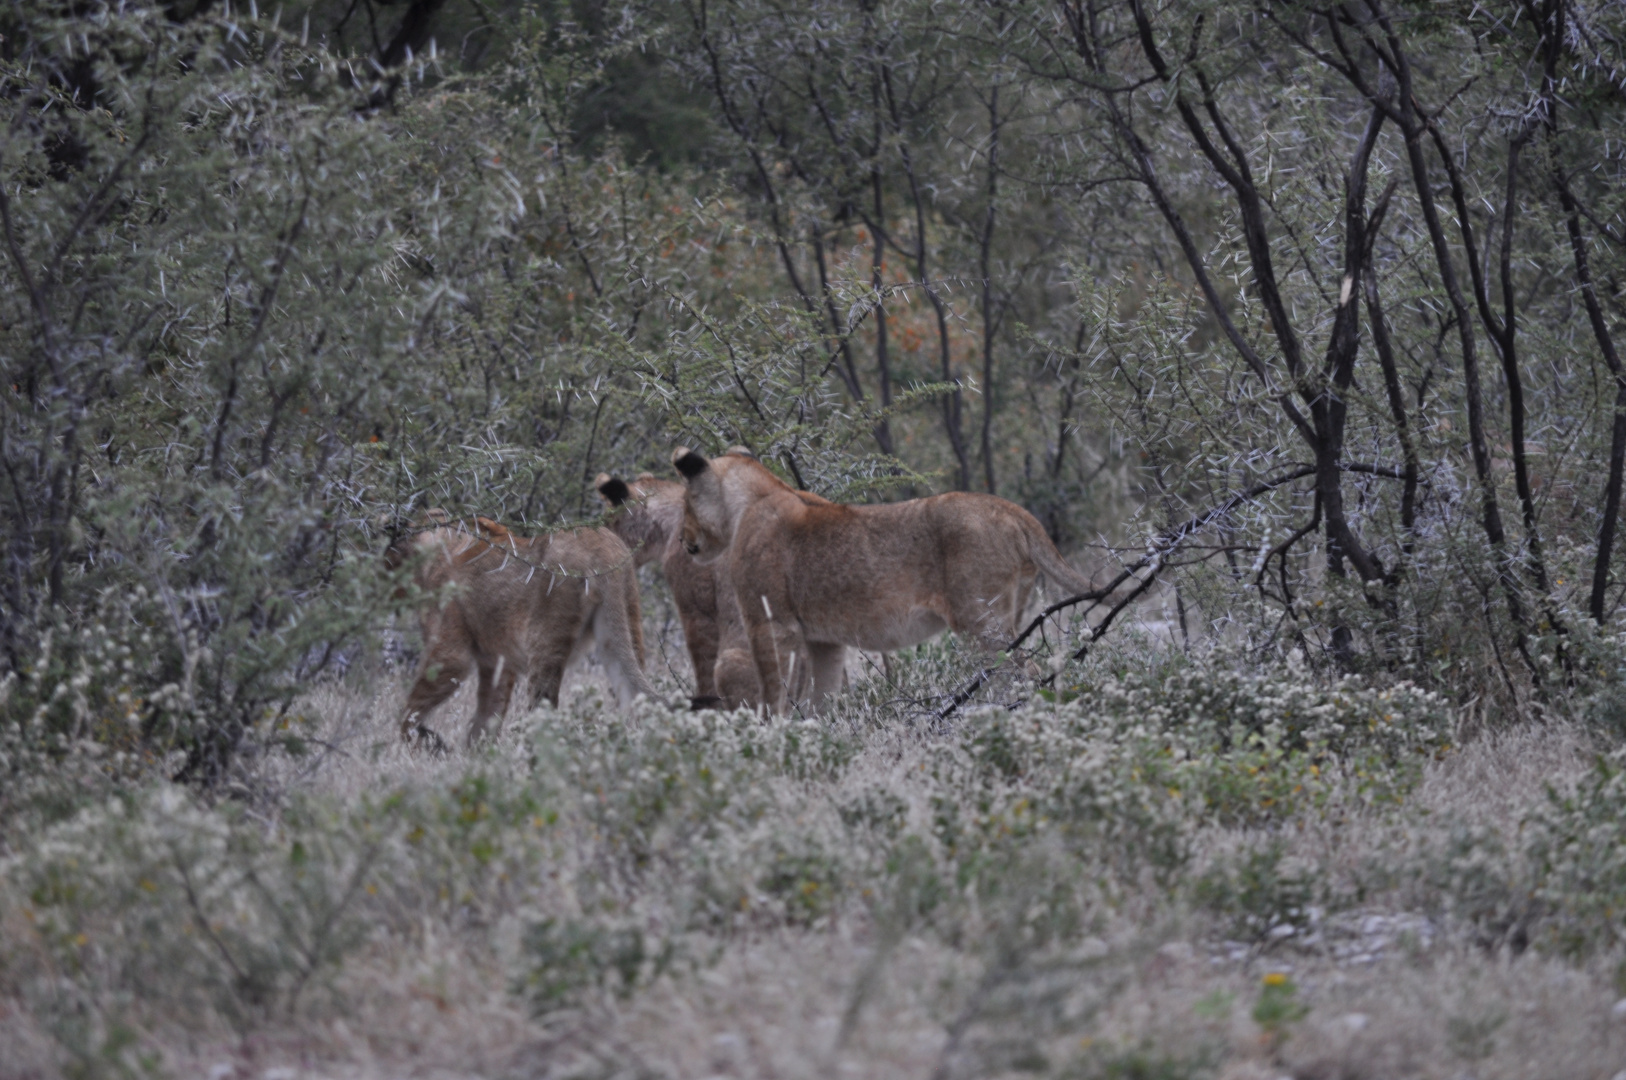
520	604
647	514
810	579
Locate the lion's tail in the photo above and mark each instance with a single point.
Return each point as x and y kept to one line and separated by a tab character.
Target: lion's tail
618	633
1056	569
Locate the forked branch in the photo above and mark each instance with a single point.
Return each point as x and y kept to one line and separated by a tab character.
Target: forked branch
1156	558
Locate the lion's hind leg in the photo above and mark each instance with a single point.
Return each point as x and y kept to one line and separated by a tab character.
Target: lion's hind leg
496	689
557	644
989	622
779	651
829	671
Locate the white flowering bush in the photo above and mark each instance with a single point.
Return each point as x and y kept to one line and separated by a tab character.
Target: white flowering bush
595	851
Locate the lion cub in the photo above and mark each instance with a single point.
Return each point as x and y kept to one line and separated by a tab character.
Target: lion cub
517	604
648	515
811	578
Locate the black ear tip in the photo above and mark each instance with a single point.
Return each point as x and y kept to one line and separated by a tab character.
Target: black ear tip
614	489
687	462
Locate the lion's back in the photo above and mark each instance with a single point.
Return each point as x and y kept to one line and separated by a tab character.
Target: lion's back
834	543
848	564
592	551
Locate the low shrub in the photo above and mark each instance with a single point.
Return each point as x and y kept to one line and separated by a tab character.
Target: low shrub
1132	765
163	902
570	959
1576	849
1261	891
593	851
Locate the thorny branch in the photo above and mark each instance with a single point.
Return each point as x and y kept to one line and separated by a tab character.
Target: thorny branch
1157	554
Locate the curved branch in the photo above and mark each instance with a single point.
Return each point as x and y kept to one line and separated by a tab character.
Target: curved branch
1156	558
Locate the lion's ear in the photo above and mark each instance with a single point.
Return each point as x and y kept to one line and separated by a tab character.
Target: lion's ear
688	462
613	489
742	451
492	529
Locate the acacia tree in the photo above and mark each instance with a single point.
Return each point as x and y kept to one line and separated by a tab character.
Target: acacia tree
1340	279
873	134
199	326
1317	202
252	323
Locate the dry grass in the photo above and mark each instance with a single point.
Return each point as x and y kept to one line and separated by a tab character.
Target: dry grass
1150	986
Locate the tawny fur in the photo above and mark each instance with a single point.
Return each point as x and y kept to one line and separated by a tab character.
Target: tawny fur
649	519
506	605
812	578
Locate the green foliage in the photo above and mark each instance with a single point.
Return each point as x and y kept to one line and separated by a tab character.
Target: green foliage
1554	880
1259	893
268	311
1133	761
218	318
255	329
1278	1007
267	302
1479	879
632	845
1589	662
156	899
1574	845
571	959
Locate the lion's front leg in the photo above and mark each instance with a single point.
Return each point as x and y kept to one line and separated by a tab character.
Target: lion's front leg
446	661
700	635
695	593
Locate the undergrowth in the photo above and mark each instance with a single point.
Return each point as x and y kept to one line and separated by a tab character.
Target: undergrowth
595	853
